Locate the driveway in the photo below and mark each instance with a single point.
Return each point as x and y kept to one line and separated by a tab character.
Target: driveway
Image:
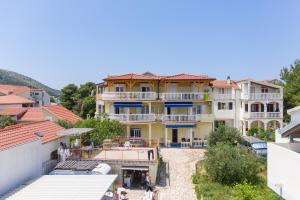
181	168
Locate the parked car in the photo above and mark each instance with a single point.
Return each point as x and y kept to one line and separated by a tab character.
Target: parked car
257	145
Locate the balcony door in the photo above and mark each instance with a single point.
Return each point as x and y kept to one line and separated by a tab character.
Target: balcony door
135	132
174	135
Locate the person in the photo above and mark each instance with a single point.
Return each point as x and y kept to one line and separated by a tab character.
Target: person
148	182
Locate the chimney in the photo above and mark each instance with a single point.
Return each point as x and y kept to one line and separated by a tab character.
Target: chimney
228	80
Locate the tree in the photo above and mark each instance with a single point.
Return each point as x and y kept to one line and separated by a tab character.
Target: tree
65	124
228	164
68	96
88	107
6	121
291	82
226	135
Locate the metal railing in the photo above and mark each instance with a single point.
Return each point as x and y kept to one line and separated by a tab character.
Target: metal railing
264	96
185	96
133	117
179	118
129	95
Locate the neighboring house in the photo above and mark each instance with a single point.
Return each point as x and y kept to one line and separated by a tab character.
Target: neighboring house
39	96
284	159
26	151
185	107
51	112
14	101
14	113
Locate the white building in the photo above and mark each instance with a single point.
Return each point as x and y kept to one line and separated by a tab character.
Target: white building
284	159
24	154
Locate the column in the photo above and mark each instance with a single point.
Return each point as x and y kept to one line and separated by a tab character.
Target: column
265	109
150	111
128	130
191	136
265	125
166	136
150	134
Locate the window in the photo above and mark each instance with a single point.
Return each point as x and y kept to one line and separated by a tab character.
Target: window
101	108
221	106
145	89
221	90
230	105
119	110
135	132
252	89
145	110
264	90
120	88
100	90
246	107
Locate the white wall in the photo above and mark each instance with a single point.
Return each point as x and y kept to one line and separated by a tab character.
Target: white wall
49	147
283	169
295	116
19	164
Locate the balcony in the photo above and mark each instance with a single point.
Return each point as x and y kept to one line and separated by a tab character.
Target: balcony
205	117
223	96
273	114
179	118
133	117
129	95
185	96
256	115
265	96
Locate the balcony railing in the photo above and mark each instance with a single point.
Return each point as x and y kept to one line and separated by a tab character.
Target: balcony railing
257	114
185	96
205	117
129	96
265	96
263	115
179	118
133	117
223	96
273	114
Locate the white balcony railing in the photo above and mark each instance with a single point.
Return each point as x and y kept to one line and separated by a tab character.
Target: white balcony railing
273	114
133	117
265	96
129	95
205	117
179	118
223	96
185	96
257	114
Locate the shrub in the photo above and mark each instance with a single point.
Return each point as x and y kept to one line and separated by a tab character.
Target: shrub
245	191
6	121
226	135
65	124
252	131
229	164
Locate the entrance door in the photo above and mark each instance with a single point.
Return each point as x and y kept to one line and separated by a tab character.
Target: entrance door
174	135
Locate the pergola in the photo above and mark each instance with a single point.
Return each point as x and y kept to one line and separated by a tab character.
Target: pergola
291	130
75	131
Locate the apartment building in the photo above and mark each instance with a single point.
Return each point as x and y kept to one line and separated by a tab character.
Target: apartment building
180	108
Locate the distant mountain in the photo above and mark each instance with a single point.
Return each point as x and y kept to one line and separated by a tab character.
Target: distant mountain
9	77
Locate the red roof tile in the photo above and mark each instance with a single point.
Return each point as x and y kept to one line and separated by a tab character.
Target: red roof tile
13	89
13	99
22	133
223	84
188	77
62	113
13	111
132	77
33	114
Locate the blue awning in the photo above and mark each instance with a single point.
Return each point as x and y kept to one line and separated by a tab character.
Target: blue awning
128	104
178	104
180	126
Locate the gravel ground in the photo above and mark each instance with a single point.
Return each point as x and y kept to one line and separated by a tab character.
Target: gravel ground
182	167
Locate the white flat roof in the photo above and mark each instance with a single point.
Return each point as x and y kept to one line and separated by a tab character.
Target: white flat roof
65	187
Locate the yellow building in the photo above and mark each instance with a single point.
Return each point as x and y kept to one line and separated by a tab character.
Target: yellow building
171	109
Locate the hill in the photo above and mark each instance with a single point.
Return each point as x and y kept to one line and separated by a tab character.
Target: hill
9	77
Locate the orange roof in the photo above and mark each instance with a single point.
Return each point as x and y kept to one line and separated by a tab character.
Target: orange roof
62	113
223	84
13	111
22	133
13	89
14	99
148	76
33	114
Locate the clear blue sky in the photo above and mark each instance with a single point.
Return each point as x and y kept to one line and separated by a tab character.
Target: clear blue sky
59	42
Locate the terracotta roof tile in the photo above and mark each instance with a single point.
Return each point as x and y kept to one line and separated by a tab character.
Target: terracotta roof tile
13	111
223	84
33	114
13	89
62	113
14	99
188	77
22	133
132	77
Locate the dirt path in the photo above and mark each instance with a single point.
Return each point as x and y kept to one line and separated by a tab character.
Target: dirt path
181	168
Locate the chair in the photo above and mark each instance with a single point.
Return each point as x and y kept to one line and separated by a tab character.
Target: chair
182	139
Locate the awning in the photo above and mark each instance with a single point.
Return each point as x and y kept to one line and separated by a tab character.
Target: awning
178	104
137	168
180	126
74	131
128	104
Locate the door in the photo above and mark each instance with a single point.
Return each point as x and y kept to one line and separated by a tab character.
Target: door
174	135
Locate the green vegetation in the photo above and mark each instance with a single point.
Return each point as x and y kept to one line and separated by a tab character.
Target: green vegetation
9	77
267	135
226	135
230	172
81	101
6	121
291	82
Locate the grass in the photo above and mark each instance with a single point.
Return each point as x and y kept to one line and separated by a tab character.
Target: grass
209	190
